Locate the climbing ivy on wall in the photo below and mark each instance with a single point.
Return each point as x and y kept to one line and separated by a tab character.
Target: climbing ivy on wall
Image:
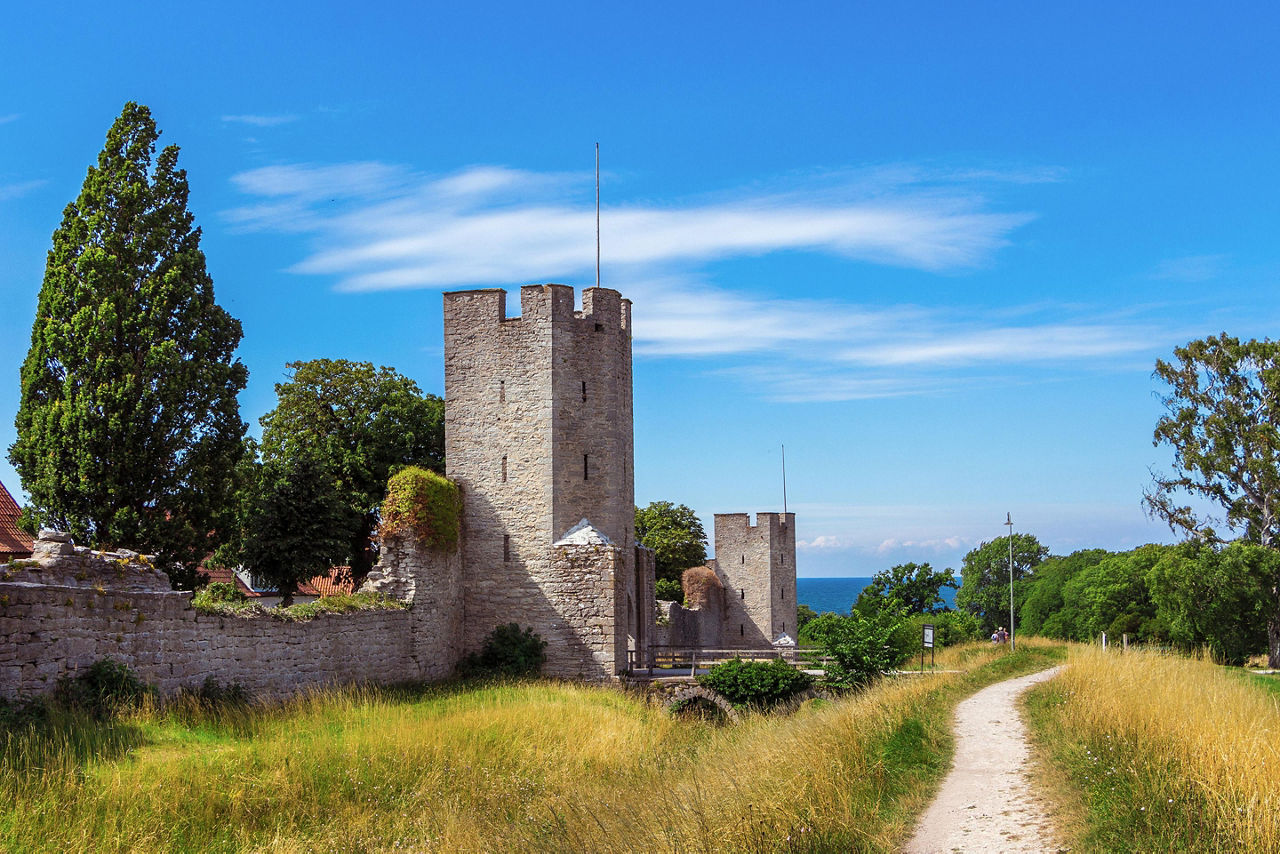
422	504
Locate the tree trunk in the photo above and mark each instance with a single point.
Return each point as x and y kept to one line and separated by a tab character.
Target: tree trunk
1273	641
286	594
362	557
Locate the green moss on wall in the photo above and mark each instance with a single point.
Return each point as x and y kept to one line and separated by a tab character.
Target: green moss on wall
424	505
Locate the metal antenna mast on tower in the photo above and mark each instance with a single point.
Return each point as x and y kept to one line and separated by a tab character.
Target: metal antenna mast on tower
597	214
784	480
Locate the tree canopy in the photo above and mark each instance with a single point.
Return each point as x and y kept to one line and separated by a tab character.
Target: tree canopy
984	590
128	427
292	522
362	424
1222	421
675	534
914	588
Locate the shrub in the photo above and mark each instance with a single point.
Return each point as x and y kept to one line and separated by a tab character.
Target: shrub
423	504
221	591
755	683
222	598
214	694
341	603
669	590
859	646
507	652
102	689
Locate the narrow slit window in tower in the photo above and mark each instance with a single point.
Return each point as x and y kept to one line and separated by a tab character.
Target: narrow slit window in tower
504	468
502	391
506	547
742	629
586	472
782	593
584	391
742	593
744	560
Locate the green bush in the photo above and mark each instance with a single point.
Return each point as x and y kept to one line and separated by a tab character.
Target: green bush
949	628
859	646
507	652
756	683
669	590
102	689
424	504
220	597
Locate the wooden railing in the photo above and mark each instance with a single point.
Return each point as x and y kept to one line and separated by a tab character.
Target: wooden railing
685	660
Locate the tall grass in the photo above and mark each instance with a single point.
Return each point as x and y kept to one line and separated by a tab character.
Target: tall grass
531	766
1167	753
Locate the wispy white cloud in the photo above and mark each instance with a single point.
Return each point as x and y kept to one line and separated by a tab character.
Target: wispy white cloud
377	226
488	224
1190	268
261	121
1010	344
19	188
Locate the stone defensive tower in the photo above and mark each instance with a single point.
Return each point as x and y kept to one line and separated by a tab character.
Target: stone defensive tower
757	564
538	435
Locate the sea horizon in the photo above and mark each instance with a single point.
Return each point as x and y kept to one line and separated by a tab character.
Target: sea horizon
837	594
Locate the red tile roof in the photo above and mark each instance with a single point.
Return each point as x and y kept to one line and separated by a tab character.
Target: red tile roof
13	540
335	582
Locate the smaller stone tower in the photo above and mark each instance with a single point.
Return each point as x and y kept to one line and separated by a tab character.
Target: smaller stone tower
757	564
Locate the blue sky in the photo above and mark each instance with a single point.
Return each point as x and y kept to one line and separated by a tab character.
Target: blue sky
933	248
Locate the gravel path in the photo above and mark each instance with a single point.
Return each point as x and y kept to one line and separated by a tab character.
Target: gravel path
988	803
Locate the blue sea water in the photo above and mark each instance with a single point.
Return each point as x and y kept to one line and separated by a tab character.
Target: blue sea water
838	594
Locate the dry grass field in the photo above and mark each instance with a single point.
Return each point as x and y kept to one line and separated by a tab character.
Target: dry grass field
534	766
1164	753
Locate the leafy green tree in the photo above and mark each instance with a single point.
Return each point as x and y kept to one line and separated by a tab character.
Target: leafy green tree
1044	610
915	588
984	590
804	615
293	518
363	424
859	646
1112	595
1217	596
675	534
1223	422
128	428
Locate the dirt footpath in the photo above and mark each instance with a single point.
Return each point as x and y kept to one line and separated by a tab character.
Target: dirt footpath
987	803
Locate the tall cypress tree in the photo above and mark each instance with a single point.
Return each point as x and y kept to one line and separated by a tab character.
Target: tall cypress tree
129	429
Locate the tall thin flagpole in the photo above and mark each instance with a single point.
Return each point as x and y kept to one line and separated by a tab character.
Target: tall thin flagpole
597	214
1013	644
784	480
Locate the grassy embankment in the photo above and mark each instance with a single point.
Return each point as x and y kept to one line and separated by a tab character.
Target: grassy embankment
1162	753
521	767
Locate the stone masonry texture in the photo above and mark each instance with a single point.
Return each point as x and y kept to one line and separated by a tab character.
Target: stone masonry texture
538	436
757	564
68	607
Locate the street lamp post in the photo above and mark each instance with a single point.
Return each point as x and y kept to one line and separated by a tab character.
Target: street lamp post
1013	644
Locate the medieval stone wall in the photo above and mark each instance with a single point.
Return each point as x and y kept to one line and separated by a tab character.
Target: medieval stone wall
69	607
